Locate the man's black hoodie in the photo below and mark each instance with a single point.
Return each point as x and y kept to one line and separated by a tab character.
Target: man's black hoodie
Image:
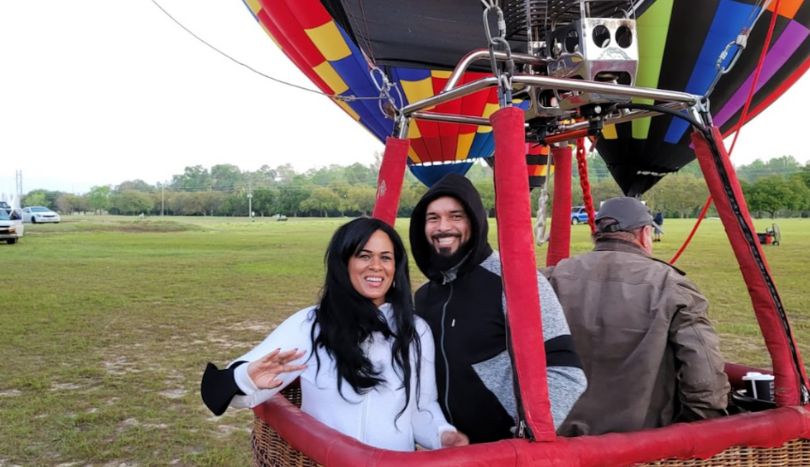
465	315
464	308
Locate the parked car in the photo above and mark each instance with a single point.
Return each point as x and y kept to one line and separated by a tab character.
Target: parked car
10	230
39	214
579	215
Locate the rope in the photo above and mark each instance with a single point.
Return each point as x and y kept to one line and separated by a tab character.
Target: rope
743	117
585	184
540	235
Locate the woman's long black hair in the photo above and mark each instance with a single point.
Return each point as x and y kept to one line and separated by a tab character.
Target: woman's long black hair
346	319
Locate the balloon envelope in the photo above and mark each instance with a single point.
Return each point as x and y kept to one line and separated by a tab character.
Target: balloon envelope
416	42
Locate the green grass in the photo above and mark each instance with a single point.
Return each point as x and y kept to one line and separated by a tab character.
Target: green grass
106	324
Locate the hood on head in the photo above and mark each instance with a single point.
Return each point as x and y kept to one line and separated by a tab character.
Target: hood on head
460	188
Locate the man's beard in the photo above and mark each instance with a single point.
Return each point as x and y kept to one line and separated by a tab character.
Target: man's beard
444	260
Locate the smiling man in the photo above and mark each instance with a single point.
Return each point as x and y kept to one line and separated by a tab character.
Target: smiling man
463	304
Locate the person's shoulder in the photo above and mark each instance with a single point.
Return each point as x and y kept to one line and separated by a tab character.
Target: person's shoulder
492	263
669	267
302	316
420	324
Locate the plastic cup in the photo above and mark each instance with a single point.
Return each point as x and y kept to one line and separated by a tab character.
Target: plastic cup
758	385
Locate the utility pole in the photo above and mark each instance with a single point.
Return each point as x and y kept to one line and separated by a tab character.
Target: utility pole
162	198
250	200
18	181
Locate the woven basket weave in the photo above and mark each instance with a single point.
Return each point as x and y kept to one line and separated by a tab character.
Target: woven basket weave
794	453
269	449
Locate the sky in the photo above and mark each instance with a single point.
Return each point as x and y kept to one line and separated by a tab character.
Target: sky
97	92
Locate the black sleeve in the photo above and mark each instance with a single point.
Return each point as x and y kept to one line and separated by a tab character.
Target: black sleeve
560	352
218	387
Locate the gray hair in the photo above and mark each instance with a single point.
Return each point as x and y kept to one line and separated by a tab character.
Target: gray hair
601	234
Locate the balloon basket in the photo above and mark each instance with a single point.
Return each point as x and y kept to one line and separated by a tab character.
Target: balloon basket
775	437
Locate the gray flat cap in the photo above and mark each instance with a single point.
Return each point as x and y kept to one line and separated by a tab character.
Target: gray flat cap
629	214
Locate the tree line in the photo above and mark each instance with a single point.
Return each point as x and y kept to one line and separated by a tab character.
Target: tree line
778	187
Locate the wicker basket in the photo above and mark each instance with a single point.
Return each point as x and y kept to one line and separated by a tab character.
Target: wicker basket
794	453
269	449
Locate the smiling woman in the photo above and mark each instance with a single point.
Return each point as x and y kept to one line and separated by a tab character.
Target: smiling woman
371	354
372	269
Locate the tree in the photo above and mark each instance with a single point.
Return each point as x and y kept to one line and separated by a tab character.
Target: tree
678	195
68	203
359	174
225	177
804	174
785	165
360	200
290	198
321	199
131	202
99	198
771	194
194	178
35	198
41	197
285	173
265	201
135	185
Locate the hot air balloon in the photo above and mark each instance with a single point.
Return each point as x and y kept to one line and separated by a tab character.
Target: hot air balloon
443	76
679	49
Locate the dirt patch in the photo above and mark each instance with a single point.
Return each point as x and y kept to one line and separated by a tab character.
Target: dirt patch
120	365
64	387
133	422
173	393
138	226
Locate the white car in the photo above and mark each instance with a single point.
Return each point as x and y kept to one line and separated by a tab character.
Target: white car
10	230
39	214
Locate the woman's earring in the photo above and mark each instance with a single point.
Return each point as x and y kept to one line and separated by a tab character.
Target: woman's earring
394	285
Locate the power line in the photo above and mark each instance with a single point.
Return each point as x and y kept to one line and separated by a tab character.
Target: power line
347	98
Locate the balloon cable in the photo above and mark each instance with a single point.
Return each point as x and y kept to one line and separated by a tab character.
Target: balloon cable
345	98
738	127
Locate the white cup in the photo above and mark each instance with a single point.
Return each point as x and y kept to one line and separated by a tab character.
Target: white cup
758	385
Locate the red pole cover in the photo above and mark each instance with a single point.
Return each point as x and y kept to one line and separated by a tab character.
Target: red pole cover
559	244
519	267
389	181
778	336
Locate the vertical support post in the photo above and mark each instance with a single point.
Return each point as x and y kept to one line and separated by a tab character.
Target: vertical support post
559	244
389	181
724	187
519	267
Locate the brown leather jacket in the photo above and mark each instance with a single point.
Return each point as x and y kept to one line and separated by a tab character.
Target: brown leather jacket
648	349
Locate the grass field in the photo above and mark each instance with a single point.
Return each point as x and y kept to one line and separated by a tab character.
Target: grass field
106	324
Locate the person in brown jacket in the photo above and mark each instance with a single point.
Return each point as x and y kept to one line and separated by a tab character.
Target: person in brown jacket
641	329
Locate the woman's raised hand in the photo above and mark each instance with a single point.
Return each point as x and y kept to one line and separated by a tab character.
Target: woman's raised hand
265	371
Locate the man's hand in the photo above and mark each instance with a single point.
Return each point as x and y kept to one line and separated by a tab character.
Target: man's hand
265	371
452	439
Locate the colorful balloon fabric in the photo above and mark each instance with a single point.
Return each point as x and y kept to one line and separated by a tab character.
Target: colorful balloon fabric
679	44
320	47
416	42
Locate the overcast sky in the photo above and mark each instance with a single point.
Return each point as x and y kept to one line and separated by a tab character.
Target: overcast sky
96	92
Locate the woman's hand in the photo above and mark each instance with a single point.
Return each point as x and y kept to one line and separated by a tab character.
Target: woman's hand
454	439
265	371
